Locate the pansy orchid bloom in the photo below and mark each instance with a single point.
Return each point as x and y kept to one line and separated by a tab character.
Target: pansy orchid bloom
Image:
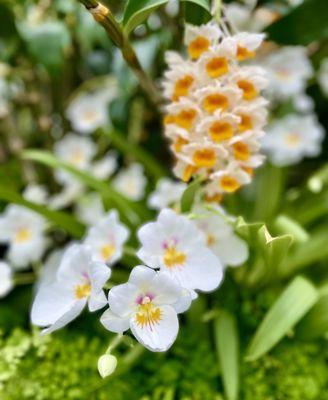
148	304
79	281
175	245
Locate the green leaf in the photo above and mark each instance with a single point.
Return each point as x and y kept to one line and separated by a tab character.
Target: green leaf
47	42
315	323
57	218
304	24
128	211
130	149
197	12
294	302
137	11
188	196
205	4
227	346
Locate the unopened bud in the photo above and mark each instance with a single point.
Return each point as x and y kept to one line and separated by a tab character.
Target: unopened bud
106	365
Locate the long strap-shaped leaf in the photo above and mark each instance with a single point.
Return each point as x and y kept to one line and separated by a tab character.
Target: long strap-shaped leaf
129	212
294	302
227	346
120	143
57	218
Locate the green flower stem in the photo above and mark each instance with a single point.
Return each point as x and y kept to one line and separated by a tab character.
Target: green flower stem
24	278
118	339
106	19
217	10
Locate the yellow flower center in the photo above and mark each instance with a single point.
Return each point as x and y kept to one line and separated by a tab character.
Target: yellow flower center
169	119
210	240
23	235
229	184
82	291
293	139
245	123
204	158
243	53
198	46
147	313
213	102
77	158
179	143
249	170
182	87
185	118
107	251
220	131
215	198
173	257
90	115
217	66
249	90
241	151
188	172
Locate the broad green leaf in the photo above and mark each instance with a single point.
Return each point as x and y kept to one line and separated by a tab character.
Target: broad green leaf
197	12
304	24
205	4
137	11
110	197
57	218
47	42
151	165
227	347
286	224
294	302
188	196
315	323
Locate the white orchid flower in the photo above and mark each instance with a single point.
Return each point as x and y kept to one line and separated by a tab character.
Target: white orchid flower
148	304
131	182
175	245
90	209
6	279
167	193
221	239
23	230
106	238
79	281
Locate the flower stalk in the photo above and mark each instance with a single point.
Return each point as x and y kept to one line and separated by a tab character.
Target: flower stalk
106	19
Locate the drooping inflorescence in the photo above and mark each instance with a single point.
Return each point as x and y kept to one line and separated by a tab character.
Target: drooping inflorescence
216	114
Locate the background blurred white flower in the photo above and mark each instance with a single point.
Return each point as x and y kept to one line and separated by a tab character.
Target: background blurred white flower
131	182
89	208
323	76
79	280
148	304
105	167
221	239
6	279
175	245
24	232
288	70
106	238
167	193
36	193
292	138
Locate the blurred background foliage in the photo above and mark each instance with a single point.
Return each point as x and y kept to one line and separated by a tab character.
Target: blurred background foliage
55	50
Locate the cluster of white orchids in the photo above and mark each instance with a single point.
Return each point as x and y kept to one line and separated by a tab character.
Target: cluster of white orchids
216	113
180	256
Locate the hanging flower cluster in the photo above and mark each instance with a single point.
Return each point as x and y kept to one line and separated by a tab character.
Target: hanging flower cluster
216	113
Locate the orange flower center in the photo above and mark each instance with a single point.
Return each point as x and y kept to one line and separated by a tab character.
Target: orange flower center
169	119
173	257
216	198
243	53
179	143
185	118
204	158
249	90
213	102
220	131
245	123
107	251
293	139
229	184
188	172
241	151
198	46
217	66
182	87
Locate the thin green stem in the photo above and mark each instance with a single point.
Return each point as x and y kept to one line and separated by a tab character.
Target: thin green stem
24	278
217	10
106	19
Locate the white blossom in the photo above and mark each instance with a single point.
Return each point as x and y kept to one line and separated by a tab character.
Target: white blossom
6	279
131	182
167	193
148	304
79	281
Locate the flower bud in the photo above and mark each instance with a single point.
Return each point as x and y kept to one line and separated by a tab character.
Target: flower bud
106	365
